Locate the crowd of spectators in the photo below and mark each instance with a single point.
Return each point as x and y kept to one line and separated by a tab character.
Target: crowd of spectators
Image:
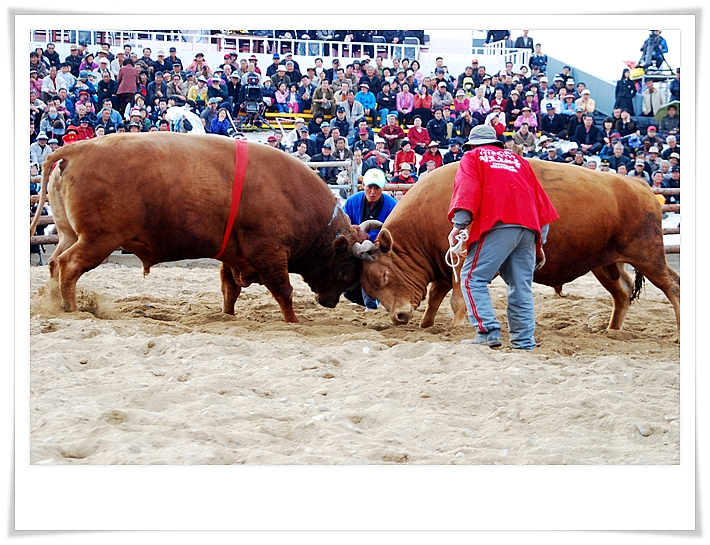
389	114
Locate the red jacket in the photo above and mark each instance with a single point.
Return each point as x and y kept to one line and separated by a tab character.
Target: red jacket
428	156
496	185
401	157
418	138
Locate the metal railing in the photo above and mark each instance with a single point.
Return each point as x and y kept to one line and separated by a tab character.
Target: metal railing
212	40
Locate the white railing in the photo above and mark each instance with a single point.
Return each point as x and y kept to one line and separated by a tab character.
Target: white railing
210	40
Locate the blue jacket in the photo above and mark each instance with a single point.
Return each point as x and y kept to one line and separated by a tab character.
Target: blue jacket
353	208
368	100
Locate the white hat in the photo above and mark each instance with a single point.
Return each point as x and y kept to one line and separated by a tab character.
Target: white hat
374	176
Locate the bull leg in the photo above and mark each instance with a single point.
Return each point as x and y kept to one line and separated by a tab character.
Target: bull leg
437	291
230	289
274	276
666	280
618	283
75	261
67	238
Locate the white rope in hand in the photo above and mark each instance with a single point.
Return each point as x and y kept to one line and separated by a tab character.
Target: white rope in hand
454	253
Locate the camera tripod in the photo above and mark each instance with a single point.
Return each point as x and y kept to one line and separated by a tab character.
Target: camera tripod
253	118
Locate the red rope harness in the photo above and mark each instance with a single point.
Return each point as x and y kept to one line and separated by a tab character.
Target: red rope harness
240	168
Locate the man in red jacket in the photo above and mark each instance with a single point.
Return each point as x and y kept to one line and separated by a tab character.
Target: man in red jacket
498	193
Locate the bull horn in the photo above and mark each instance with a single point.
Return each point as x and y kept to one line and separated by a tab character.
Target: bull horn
369	225
363	250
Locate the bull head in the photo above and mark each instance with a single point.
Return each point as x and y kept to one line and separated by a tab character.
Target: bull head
381	279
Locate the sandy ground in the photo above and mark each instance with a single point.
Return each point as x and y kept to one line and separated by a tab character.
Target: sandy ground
151	372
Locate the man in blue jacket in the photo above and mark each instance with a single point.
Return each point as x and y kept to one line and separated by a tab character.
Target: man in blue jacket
369	204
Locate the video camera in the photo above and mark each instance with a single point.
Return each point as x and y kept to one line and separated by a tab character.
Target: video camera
253	97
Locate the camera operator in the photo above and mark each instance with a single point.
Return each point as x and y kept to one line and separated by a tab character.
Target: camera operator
653	50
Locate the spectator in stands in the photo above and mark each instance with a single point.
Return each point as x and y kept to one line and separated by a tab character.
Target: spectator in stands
368	101
588	137
586	102
74	60
441	97
626	126
323	135
39	150
341	122
51	84
268	92
651	139
392	133
340	150
609	143
37	64
323	100
673	147
674	87
199	64
498	99
35	82
670	123
301	152
652	99
653	161
538	59
431	154
437	128
404	155
665	168
454	154
364	142
674	159
328	174
220	124
463	125
533	102
87	63
461	102
639	171
553	155
513	107
552	125
418	136
386	103
578	159
625	92
524	41
526	117
496	36
127	80
353	109
423	104
479	107
50	118
524	138
375	159
673	182
405	105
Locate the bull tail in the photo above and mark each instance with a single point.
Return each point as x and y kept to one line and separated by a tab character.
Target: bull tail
638	284
43	193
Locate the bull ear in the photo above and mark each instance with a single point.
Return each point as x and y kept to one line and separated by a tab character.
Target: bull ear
384	240
341	245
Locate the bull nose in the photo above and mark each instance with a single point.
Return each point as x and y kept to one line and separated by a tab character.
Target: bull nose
400	318
327	303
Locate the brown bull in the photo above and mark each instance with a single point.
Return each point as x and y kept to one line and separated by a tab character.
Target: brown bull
167	196
605	221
